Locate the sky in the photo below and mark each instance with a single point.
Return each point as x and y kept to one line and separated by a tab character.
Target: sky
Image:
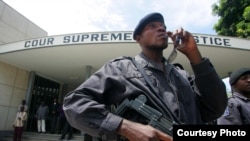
77	16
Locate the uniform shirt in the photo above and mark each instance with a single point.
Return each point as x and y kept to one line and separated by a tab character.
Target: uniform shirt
237	111
55	109
21	117
86	106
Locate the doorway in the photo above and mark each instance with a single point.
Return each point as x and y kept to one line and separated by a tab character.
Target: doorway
43	90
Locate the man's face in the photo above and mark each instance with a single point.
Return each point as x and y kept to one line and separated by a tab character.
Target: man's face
243	84
154	36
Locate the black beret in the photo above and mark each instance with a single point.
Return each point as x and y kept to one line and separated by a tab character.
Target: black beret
237	74
152	17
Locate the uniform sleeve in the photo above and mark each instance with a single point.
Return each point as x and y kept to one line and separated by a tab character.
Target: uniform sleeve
85	107
211	91
231	115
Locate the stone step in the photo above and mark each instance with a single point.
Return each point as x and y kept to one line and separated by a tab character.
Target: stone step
32	136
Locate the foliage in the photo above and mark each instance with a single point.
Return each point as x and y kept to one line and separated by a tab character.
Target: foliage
234	18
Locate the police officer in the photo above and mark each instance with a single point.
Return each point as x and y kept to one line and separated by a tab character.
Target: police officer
238	108
86	107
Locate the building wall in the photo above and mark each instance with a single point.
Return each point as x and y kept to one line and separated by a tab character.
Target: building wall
13	80
13	87
15	27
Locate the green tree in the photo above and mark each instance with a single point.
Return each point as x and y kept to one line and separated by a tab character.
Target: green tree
234	18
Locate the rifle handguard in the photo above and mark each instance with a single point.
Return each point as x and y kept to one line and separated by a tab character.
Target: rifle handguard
156	119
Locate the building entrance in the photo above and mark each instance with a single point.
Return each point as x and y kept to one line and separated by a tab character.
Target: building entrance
43	90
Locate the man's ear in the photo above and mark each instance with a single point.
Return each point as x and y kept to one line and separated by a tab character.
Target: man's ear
137	38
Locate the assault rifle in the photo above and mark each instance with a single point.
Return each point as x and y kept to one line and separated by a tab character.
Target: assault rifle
155	117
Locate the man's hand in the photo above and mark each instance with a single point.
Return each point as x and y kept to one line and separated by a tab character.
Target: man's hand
187	45
138	132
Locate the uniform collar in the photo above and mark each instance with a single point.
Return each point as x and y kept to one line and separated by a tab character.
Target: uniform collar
236	94
146	62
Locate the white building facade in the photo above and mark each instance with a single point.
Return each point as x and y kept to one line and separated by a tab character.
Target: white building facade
35	67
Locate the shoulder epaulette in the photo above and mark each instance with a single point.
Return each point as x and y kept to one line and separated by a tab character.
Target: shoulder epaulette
120	58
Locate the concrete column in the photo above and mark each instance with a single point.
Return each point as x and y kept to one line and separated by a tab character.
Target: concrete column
30	87
29	92
88	71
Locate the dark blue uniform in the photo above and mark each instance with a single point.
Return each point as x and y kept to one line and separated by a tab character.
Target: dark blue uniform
86	107
237	111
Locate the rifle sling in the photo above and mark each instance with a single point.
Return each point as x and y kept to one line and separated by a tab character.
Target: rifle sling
156	101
